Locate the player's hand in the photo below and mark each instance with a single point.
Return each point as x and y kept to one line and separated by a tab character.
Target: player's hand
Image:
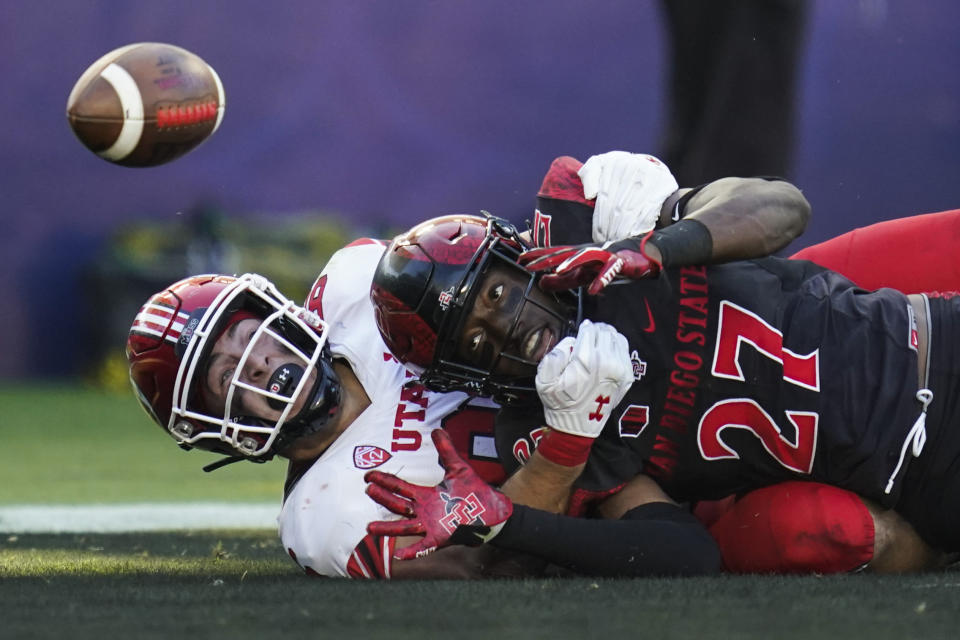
591	265
462	509
581	380
630	189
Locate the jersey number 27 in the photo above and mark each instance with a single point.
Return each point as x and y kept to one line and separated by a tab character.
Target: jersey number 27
739	326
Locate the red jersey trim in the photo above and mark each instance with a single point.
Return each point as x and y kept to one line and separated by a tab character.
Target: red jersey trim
371	558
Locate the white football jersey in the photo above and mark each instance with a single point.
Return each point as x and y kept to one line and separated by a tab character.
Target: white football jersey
324	517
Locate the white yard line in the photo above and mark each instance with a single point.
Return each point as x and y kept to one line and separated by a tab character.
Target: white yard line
118	518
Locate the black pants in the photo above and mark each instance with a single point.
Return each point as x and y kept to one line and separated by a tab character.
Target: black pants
731	93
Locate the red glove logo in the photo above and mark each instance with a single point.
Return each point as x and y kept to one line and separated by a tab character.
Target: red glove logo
591	265
460	511
598	414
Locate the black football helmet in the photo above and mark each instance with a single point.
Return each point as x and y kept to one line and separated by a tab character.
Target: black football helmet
169	344
424	288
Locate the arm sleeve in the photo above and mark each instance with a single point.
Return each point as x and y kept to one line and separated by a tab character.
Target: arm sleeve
655	539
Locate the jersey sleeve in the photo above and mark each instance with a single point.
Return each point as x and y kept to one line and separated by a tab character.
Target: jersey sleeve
372	558
341	296
344	282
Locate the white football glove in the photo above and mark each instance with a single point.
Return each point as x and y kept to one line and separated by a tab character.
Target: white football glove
581	380
630	188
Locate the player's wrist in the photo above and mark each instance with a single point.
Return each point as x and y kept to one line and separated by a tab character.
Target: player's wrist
683	243
565	449
573	422
651	252
638	253
494	531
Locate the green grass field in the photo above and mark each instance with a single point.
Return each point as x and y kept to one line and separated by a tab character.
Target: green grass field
71	445
75	445
239	585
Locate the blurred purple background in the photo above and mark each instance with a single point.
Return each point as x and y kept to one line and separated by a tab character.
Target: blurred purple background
387	112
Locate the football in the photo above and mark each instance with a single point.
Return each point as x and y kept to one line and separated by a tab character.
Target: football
146	104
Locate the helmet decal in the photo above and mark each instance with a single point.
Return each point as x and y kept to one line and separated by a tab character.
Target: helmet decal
458	245
159	320
445	298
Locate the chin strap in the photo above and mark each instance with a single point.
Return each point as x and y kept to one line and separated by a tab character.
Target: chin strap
291	432
222	462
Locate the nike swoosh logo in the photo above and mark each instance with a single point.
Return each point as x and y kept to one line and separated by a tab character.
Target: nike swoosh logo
652	324
676	212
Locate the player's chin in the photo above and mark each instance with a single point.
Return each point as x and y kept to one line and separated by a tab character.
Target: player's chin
296	451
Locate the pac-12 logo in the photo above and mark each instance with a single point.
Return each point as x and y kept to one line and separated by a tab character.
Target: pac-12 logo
367	456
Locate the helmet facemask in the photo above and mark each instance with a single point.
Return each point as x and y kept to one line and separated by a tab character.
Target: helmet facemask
451	371
297	335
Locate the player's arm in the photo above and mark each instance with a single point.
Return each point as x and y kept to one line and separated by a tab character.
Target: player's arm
373	559
578	382
744	217
728	219
653	539
798	527
543	483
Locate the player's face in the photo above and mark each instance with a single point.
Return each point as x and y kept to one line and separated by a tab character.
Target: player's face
508	321
266	357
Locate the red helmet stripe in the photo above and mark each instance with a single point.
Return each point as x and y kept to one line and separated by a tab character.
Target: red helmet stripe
155	320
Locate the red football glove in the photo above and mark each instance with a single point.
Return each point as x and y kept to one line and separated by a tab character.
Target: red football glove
462	509
574	266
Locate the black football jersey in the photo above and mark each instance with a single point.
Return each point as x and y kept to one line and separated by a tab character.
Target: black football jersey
750	373
747	374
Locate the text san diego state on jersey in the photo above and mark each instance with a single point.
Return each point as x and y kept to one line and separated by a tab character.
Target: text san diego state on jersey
758	371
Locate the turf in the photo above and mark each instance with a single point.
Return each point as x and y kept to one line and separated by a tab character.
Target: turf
240	585
73	444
